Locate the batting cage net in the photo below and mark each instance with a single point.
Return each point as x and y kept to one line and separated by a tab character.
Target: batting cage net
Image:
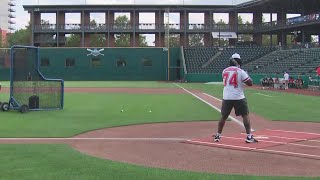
28	86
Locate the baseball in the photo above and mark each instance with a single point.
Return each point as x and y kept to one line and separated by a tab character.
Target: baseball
121	110
150	111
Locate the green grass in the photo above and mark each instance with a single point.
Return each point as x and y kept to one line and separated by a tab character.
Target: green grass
120	84
112	84
62	162
87	111
281	106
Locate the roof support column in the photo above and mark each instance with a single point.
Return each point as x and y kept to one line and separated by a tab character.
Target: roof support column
282	38
257	20
109	17
85	23
208	21
281	17
233	23
159	22
184	25
61	21
134	22
36	25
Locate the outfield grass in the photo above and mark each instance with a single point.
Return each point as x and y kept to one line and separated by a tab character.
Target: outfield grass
62	162
120	84
87	111
280	106
112	84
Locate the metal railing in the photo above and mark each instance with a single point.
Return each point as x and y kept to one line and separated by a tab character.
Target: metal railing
141	26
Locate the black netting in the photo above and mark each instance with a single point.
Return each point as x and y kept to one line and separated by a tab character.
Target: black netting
29	86
4	58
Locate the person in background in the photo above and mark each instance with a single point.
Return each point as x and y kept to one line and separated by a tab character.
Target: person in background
310	78
276	83
286	80
271	82
265	82
291	82
299	83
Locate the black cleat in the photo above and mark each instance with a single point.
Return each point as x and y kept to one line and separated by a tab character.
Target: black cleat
251	140
216	138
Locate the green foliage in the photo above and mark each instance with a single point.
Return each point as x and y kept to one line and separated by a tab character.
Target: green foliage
221	41
143	41
123	39
1	44
174	40
196	39
74	40
266	40
20	37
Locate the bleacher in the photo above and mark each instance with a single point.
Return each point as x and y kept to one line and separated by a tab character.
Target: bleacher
309	65
197	56
268	60
213	60
247	54
298	61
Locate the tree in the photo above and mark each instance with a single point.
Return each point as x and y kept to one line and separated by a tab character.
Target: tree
221	41
73	40
20	37
97	40
244	37
196	39
1	43
123	39
23	36
174	40
266	40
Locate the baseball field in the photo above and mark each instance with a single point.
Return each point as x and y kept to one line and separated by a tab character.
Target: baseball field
144	130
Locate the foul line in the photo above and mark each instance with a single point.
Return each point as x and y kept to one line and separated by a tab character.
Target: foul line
264	95
123	139
212	97
214	107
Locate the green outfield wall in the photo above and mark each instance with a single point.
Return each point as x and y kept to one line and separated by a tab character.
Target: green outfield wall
82	64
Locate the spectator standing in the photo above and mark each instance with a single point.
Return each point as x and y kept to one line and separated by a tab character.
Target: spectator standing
286	80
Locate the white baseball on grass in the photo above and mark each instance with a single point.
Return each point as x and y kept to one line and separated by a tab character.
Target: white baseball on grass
121	110
150	111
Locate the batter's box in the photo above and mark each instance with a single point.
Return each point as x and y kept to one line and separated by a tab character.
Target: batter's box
229	142
268	140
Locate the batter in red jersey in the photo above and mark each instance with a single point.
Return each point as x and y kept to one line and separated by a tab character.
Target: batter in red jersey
233	97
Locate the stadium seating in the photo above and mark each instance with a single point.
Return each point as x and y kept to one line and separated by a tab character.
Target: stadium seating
197	56
298	61
214	60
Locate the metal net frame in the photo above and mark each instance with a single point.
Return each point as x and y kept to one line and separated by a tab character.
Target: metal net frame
27	84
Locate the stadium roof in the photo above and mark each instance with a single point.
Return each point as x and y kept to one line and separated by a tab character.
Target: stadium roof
141	2
265	6
290	6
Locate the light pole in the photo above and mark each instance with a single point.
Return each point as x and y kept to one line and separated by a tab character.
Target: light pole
167	37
